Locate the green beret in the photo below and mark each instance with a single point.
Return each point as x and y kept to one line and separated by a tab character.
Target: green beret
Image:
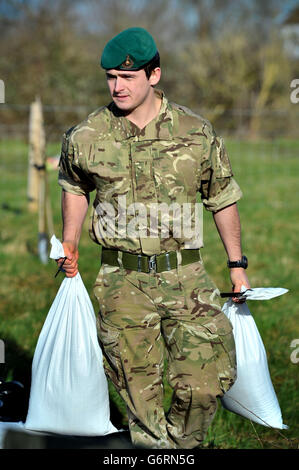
131	49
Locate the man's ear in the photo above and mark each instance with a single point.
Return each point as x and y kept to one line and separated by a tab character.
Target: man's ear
155	76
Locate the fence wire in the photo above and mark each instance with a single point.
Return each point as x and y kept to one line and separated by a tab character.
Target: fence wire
244	123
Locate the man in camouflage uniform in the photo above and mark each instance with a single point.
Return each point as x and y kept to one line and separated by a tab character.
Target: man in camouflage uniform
143	155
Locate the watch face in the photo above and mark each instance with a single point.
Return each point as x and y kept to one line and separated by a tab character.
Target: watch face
244	262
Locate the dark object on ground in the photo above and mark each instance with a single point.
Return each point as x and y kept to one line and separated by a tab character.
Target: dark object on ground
12	400
22	440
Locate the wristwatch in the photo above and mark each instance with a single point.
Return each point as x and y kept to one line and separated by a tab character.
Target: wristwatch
241	263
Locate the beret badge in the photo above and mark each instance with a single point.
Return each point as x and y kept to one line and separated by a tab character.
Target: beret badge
128	63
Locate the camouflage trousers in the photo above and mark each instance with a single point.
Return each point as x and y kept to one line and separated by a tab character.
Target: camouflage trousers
174	315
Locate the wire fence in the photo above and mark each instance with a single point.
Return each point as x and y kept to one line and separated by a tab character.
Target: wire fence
242	123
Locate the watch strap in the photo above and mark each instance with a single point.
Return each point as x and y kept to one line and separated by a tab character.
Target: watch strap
241	263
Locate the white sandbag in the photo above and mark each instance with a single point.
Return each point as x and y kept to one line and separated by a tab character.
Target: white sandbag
252	395
69	390
262	293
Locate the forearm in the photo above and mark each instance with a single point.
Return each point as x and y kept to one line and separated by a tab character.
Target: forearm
74	210
228	224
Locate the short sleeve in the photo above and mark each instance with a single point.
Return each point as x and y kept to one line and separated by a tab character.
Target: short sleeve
71	176
216	184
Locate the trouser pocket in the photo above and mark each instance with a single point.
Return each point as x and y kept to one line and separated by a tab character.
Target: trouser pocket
202	354
225	354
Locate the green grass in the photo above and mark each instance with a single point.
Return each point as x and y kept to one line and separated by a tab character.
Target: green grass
267	173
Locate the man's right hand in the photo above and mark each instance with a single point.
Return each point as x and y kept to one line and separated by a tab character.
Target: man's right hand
70	265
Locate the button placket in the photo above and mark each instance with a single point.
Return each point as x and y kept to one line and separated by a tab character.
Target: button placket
144	189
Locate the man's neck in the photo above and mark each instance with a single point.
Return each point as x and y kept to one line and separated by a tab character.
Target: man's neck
145	113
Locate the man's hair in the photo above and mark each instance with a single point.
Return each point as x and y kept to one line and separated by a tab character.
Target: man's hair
150	66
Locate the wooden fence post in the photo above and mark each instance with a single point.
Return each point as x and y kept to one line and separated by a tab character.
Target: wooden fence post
38	192
36	153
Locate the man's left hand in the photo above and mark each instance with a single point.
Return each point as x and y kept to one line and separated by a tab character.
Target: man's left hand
239	279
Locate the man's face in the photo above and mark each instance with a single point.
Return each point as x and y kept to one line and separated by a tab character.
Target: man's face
129	90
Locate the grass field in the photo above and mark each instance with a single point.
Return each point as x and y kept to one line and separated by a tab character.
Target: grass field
268	175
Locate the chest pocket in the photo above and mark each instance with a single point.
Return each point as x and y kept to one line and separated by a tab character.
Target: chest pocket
109	167
175	169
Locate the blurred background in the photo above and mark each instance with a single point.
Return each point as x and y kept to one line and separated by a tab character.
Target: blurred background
233	61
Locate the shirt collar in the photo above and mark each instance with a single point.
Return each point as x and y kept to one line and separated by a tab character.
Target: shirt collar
159	128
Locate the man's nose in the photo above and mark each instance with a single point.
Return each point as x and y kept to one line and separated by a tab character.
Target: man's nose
118	85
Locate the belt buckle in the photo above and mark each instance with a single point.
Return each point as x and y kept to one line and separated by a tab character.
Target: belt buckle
152	264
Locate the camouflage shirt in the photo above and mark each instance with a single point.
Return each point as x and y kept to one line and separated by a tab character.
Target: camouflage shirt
147	180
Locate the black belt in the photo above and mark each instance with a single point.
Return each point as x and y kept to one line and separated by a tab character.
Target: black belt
147	264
